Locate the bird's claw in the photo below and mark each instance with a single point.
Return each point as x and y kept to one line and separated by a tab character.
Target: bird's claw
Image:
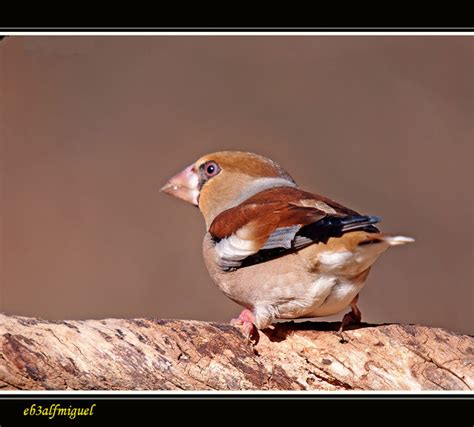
245	322
353	317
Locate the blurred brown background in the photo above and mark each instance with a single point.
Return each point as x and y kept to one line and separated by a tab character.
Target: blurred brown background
93	126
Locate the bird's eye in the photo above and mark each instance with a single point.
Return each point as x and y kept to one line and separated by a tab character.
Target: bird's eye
211	169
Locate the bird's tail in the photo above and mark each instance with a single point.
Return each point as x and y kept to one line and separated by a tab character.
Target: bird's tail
372	235
387	239
396	240
364	223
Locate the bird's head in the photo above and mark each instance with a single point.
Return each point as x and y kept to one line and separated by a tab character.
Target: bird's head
221	180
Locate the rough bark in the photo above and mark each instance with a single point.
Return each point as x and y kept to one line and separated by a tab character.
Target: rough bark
151	354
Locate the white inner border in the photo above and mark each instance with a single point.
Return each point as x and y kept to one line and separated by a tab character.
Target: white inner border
236	33
334	393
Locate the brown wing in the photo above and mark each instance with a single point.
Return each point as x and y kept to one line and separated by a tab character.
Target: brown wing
277	220
276	207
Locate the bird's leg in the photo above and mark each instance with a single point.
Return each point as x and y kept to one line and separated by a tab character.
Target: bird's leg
246	320
353	317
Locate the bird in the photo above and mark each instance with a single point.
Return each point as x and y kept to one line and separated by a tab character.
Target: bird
278	251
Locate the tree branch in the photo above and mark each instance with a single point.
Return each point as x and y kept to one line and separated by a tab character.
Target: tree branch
151	354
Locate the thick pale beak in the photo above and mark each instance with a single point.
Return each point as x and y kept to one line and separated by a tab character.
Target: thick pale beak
184	185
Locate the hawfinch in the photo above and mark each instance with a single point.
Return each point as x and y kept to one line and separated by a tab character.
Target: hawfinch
278	251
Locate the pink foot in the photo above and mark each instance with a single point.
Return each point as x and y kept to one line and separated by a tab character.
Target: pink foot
246	320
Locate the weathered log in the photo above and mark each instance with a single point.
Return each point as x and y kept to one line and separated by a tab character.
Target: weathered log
151	354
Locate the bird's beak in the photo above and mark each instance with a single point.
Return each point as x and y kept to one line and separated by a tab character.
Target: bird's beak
184	185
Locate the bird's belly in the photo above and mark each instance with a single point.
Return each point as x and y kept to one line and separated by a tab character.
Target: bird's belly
328	295
288	288
292	295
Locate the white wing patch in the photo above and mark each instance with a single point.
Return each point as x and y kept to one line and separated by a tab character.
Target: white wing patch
233	249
